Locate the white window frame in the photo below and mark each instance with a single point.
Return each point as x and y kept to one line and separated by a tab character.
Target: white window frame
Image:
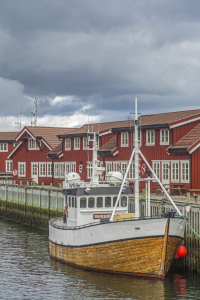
132	170
19	169
42	169
124	139
165	136
123	163
67	167
67	145
76	143
85	146
9	165
49	169
89	170
156	168
182	163
32	144
151	141
176	162
108	166
116	166
73	166
62	170
3	147
56	170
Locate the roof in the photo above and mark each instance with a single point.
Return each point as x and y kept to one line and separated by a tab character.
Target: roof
162	119
57	150
109	147
187	141
96	127
49	134
8	136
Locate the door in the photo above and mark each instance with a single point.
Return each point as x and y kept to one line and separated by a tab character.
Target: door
34	172
165	172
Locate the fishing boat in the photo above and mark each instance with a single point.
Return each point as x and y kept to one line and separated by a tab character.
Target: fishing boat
98	233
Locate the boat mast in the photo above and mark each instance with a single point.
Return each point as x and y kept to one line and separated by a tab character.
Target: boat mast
136	163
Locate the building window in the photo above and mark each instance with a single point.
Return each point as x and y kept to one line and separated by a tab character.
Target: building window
32	144
116	166
124	139
62	169
89	170
67	168
124	166
3	147
85	143
164	137
42	169
150	137
108	167
8	165
49	169
185	171
73	167
132	170
22	169
156	169
77	144
56	170
175	171
67	144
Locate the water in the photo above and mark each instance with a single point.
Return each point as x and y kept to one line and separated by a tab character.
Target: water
27	272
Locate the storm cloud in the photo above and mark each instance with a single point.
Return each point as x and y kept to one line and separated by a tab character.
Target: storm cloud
92	57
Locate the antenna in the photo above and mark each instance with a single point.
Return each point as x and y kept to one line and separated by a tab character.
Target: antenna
19	121
34	113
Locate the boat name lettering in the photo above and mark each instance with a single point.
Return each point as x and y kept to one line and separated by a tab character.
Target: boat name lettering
100	216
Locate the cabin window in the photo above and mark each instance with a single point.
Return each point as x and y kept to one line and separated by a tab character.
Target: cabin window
67	144
75	202
114	201
83	202
91	202
77	144
70	203
107	201
124	139
123	201
164	137
150	137
99	201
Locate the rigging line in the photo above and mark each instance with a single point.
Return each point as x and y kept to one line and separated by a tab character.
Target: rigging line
99	111
189	225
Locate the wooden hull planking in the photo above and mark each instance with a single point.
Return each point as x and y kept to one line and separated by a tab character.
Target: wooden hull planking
142	257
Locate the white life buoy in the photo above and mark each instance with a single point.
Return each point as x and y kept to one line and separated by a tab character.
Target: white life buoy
14	172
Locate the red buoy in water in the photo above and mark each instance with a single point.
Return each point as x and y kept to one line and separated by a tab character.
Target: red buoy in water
182	251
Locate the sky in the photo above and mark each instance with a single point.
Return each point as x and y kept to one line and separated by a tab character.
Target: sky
87	60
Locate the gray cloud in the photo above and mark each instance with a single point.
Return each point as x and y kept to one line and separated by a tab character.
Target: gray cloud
82	47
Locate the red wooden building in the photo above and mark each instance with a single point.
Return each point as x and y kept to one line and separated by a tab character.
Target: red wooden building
7	144
29	156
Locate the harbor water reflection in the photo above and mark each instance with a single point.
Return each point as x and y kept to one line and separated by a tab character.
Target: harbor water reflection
27	272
